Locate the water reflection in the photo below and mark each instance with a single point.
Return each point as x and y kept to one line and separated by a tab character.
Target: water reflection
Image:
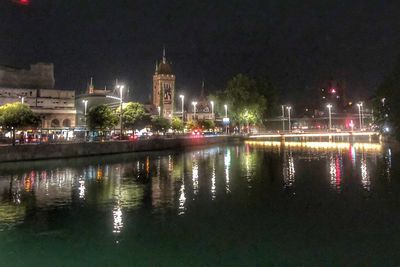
335	171
288	170
177	181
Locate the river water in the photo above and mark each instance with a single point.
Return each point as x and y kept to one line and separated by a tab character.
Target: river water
260	203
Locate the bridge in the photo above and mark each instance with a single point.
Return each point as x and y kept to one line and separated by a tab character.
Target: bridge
346	136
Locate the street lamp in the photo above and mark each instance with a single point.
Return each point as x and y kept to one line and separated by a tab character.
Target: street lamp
329	106
22	99
226	116
194	109
183	99
360	115
289	108
120	87
226	110
85	103
283	118
212	109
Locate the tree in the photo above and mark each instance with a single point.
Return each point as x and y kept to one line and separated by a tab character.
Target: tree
102	117
192	125
206	124
134	116
177	124
15	116
244	96
160	124
385	102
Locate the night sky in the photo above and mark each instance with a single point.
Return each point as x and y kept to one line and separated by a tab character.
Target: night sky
298	44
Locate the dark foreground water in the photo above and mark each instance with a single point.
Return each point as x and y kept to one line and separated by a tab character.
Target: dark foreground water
247	205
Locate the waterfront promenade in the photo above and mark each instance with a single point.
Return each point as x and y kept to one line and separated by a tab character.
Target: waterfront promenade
42	151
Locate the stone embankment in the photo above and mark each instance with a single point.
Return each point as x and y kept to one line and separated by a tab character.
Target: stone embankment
69	150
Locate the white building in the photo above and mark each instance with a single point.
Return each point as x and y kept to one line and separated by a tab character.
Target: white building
56	108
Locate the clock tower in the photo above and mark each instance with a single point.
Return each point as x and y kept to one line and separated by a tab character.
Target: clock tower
164	88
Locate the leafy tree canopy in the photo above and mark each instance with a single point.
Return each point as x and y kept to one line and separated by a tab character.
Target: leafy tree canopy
134	116
15	116
243	96
102	117
206	124
177	124
386	99
160	124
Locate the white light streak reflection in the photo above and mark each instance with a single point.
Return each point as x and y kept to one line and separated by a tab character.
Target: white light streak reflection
227	163
82	189
365	179
195	176
213	176
182	200
117	216
288	170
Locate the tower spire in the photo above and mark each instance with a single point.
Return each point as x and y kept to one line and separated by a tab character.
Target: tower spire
91	87
202	89
164	59
156	67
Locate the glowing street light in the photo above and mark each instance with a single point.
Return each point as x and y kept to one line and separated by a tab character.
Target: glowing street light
212	108
283	118
360	114
194	109
289	108
329	106
121	88
22	99
85	103
183	100
226	110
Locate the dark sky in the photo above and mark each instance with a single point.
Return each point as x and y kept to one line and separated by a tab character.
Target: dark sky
298	44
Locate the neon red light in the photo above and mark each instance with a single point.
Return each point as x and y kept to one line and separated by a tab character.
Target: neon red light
22	2
333	91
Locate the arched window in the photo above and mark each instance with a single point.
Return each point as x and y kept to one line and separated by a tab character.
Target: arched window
67	123
55	123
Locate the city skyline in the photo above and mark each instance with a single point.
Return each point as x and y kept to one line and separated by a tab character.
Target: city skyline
205	41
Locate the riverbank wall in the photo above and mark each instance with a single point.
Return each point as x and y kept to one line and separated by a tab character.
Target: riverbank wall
69	150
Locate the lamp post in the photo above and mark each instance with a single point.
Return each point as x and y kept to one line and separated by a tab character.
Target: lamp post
182	99
120	87
359	105
283	118
22	99
289	108
226	116
85	104
212	109
226	110
329	106
194	109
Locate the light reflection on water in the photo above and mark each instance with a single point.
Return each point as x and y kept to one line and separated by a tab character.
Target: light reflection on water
171	184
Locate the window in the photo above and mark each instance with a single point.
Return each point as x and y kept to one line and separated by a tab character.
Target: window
55	123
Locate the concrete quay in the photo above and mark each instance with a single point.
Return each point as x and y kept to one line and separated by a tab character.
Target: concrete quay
28	152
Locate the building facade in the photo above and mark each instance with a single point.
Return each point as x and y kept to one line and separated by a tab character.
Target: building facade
56	108
164	88
204	108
